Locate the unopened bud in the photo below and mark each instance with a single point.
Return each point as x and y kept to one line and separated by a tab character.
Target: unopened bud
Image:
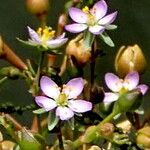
7	54
143	137
130	58
106	129
7	145
37	7
78	51
62	21
94	147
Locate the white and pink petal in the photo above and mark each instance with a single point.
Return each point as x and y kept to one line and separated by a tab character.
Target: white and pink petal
110	97
113	82
76	27
64	113
77	15
73	88
49	87
131	80
79	106
108	19
33	35
56	43
143	88
96	29
99	10
45	102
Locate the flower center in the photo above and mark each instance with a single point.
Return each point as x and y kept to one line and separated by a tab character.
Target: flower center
91	21
62	100
45	34
125	86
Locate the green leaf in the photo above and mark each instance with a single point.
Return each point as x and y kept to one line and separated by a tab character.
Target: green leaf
52	120
105	37
39	47
39	111
29	43
111	27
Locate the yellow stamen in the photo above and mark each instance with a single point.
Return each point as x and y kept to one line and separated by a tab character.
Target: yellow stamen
91	19
45	33
85	9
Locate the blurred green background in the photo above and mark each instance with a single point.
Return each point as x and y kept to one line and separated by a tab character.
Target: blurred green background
133	27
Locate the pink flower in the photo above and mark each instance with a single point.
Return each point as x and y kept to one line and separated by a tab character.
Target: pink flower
119	86
63	100
95	19
46	38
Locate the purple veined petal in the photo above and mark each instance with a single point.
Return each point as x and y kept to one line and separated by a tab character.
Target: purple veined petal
79	106
96	29
108	19
64	113
99	10
131	80
77	15
73	88
33	35
49	87
110	97
143	88
45	102
76	28
113	82
56	43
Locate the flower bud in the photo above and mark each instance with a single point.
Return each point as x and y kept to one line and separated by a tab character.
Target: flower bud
7	145
130	58
37	7
106	130
7	54
80	54
94	147
143	137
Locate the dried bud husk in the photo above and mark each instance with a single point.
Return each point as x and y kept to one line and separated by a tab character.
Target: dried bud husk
7	54
143	137
94	147
78	51
7	145
62	21
125	126
106	130
37	7
95	93
130	58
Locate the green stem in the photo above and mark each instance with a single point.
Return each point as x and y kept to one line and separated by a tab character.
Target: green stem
108	118
30	67
59	135
77	143
3	80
